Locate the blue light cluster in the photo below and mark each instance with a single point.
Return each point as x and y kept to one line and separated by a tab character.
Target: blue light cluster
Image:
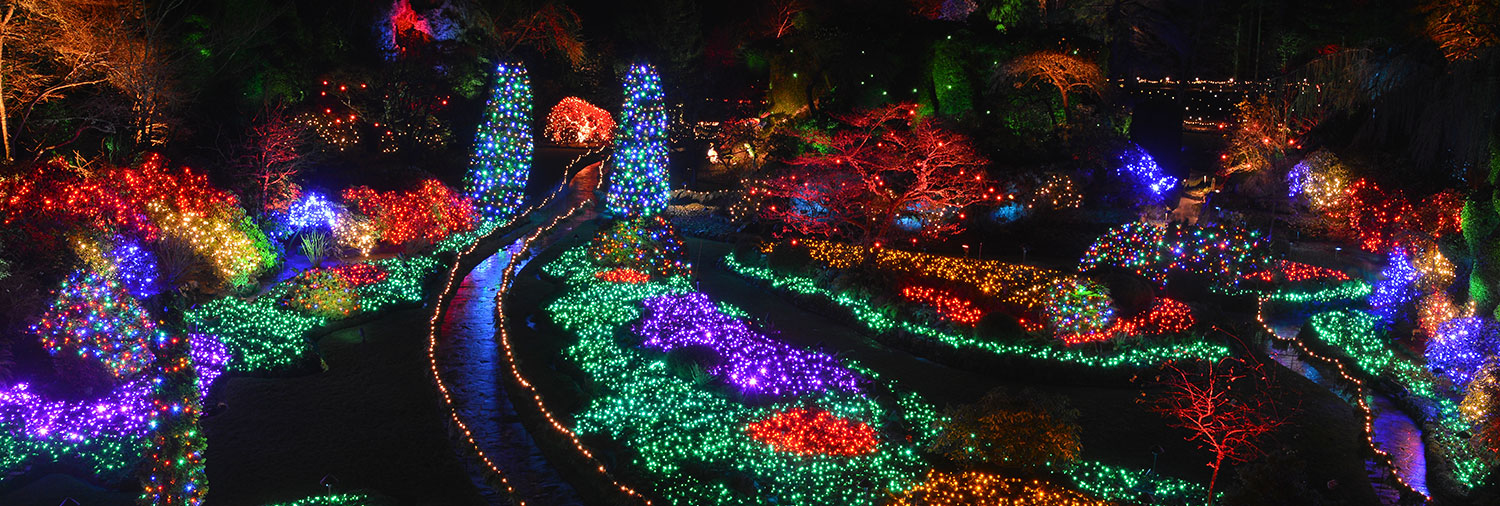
1396	288
134	267
638	182
1461	346
1139	166
502	146
312	210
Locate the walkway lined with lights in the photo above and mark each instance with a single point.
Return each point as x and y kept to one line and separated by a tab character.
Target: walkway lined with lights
470	364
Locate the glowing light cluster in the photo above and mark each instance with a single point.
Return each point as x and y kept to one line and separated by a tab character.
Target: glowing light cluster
95	317
1166	316
751	361
312	210
948	305
1057	191
1141	168
1070	304
809	432
638	180
969	488
322	293
329	500
879	321
1220	252
623	275
496	181
649	245
1397	286
104	434
124	259
174	473
426	214
575	121
1287	271
1461	346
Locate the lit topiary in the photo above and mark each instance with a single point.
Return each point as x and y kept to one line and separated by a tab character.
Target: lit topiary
648	245
502	147
638	180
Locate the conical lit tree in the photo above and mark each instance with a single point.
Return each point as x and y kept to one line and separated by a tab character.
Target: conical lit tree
502	146
638	181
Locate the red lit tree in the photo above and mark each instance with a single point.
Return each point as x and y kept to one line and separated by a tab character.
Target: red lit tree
270	158
1226	405
1060	70
575	121
887	165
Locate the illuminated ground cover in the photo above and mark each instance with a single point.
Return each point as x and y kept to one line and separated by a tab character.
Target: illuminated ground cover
727	440
879	320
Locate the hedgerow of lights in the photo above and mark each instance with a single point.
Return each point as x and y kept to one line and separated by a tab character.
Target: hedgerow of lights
638	180
879	321
1071	304
496	181
674	426
321	293
1220	252
974	487
949	306
94	317
175	473
124	259
1166	316
426	214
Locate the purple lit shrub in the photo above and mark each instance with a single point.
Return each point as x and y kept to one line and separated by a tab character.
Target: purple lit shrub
751	361
1461	346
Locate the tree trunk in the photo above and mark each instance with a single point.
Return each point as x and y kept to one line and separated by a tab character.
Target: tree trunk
1064	92
1214	479
4	121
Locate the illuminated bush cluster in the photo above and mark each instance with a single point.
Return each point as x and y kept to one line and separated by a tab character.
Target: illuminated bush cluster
647	245
423	215
496	181
95	317
575	121
1220	252
321	293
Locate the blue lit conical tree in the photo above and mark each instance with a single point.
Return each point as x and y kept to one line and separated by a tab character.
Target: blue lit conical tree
502	146
638	181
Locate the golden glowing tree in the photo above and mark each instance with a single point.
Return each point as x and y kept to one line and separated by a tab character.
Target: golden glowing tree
1068	73
1010	431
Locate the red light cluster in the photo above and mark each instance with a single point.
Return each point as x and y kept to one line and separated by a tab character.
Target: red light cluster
428	213
1167	316
359	274
809	432
1287	270
952	307
623	275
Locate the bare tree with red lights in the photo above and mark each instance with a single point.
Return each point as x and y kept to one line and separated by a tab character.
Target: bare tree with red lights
273	153
887	164
1067	73
1228	406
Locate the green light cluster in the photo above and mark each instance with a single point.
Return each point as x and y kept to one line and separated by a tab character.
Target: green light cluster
878	321
1133	485
328	500
689	438
262	335
109	457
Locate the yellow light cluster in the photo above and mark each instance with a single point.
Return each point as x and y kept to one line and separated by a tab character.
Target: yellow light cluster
1021	285
1058	192
1477	402
231	251
973	488
356	232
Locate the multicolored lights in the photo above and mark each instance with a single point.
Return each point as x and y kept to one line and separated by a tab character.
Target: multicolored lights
94	317
502	147
638	180
1219	252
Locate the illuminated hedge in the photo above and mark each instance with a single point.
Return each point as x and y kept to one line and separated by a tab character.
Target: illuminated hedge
1222	253
496	181
423	215
575	121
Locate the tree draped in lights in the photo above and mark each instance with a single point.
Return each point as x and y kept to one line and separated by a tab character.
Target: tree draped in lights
638	181
502	146
1227	406
887	166
1010	431
1058	69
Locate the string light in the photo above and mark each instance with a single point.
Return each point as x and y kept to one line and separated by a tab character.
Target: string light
979	488
1396	288
1461	346
638	182
1287	271
947	305
426	214
94	317
496	181
1057	192
804	432
649	245
330	500
1220	252
575	121
1141	169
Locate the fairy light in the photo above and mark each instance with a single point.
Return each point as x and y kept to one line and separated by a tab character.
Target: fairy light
623	275
947	305
94	317
575	121
1166	316
1068	303
1396	287
638	181
330	500
749	360
322	293
1461	346
966	488
426	214
806	432
649	245
312	210
1057	192
501	163
1220	252
1141	169
1294	272
879	321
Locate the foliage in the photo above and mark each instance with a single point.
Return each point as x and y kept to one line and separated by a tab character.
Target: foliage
638	181
1013	431
269	160
1066	72
1265	137
315	247
648	245
889	174
1462	29
423	215
575	121
1461	347
501	163
553	27
322	293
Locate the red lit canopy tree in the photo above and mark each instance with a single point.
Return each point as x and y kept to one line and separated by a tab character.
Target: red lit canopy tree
887	166
575	121
1057	69
1228	407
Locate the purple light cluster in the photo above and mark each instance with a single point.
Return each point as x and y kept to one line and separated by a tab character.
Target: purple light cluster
750	360
1396	288
313	210
125	411
1461	347
209	358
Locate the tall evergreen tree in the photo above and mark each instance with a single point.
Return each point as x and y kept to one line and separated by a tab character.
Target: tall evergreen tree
638	181
502	146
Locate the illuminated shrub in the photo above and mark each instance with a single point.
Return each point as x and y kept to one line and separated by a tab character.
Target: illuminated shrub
1010	431
814	432
575	121
322	293
647	245
94	317
1219	252
971	488
424	215
1461	346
